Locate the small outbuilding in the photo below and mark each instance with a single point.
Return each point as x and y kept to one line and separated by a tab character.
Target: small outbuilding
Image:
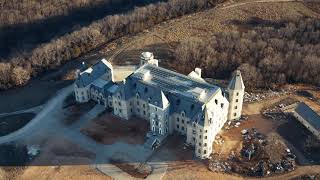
306	116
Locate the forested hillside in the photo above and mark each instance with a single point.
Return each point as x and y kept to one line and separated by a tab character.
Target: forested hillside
276	53
18	69
25	24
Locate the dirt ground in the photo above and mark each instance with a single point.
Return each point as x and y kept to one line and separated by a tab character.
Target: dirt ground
186	167
75	111
108	129
58	159
181	162
81	172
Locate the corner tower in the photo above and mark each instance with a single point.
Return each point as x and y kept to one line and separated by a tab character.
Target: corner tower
236	93
148	58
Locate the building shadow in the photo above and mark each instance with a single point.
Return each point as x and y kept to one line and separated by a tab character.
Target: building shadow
297	135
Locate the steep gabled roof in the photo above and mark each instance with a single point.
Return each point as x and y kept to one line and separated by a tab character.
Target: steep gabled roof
93	73
236	82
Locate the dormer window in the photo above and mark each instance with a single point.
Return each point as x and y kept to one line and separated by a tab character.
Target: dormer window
183	113
137	96
145	90
135	85
192	107
216	101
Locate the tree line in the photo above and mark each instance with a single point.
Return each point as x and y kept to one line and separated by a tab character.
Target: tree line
266	56
18	70
26	11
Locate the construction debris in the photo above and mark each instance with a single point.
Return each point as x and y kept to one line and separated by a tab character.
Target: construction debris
258	157
254	97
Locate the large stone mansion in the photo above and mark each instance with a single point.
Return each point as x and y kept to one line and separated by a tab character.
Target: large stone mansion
170	101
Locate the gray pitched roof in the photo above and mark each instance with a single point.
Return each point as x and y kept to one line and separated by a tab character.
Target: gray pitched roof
182	92
309	115
173	82
236	82
92	73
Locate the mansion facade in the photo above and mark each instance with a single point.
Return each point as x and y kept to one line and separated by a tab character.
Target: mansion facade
170	101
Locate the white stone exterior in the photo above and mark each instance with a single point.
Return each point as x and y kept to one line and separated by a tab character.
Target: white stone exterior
167	115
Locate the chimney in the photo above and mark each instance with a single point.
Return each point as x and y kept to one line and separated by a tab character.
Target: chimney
198	71
77	73
147	76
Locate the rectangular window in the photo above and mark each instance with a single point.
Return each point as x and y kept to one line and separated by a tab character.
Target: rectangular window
138	103
182	128
144	112
200	136
237	100
235	114
206	137
177	126
177	119
199	144
236	107
237	94
205	152
205	144
182	121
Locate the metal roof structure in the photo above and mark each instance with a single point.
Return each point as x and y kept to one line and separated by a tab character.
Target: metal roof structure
173	82
157	85
308	114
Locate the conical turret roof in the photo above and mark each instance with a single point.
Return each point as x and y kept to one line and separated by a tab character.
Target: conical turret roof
236	82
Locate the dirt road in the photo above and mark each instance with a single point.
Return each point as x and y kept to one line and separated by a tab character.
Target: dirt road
256	1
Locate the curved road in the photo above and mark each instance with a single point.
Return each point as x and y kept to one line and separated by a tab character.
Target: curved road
42	119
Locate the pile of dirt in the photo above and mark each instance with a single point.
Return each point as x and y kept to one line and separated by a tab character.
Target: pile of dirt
11	123
108	129
260	156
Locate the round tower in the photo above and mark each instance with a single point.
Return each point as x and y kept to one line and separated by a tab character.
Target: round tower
148	58
236	93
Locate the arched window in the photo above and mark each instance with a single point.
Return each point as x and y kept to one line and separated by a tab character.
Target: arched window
183	113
